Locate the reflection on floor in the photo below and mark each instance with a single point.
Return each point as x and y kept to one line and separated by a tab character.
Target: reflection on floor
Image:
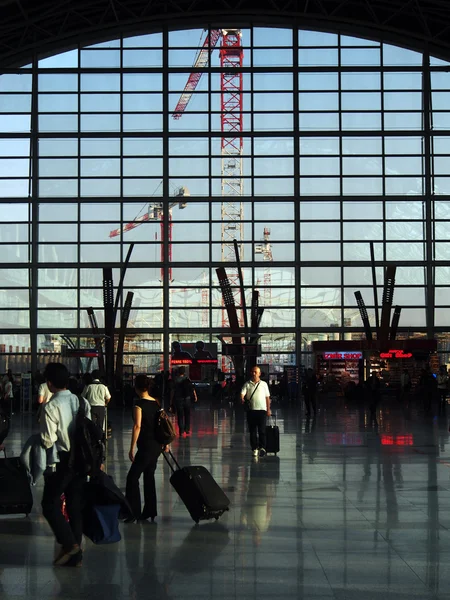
349	509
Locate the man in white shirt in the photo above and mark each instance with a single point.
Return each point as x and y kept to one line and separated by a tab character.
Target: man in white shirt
57	424
257	395
98	396
44	394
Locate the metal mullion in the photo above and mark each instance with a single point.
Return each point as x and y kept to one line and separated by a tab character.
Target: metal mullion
252	159
297	193
210	203
341	187
428	202
383	156
122	199
33	272
165	197
79	194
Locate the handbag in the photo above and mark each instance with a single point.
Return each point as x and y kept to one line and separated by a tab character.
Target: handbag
247	402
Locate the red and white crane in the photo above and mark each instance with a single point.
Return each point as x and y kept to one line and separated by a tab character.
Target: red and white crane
231	87
155	212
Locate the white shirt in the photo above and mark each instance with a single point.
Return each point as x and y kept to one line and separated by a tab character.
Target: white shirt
58	420
258	401
96	393
45	392
8	390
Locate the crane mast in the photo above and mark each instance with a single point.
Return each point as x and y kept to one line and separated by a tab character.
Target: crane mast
231	86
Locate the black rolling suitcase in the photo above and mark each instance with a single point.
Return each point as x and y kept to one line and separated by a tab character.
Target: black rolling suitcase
272	438
4	426
199	491
15	492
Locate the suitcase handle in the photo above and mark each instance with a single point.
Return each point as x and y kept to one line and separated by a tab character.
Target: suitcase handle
174	460
272	420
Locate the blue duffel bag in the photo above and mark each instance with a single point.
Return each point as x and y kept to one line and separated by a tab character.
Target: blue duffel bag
101	523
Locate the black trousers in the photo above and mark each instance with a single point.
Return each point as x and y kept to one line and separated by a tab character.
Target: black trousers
184	415
310	401
145	463
256	421
98	415
64	481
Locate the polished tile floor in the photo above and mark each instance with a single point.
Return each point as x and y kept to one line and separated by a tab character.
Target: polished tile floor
349	509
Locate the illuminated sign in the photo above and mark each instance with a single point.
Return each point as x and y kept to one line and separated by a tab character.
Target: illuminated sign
395	354
194	361
342	355
396	440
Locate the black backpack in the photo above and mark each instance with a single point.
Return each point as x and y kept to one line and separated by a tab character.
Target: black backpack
87	448
164	430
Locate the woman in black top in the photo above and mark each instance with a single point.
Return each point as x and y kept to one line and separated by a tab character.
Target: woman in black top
144	417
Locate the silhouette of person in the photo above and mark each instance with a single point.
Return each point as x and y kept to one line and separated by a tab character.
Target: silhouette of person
178	352
200	351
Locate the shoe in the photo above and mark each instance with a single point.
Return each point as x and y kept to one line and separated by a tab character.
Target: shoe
184	434
75	561
262	452
65	555
255	453
130	520
147	519
188	433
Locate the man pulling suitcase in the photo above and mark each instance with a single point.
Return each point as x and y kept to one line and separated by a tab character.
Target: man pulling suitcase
258	401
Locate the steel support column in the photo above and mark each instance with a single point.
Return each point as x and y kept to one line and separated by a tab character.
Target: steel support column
428	198
34	214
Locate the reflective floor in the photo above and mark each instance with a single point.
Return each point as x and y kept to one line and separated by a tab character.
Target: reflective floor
349	509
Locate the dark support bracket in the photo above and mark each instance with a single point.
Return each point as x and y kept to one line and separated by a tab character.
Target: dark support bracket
123	327
364	315
388	297
241	285
395	321
98	343
375	291
108	305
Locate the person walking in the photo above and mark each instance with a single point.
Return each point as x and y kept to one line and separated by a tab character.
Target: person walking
146	458
182	395
57	424
442	386
405	384
309	391
258	398
8	393
98	396
374	386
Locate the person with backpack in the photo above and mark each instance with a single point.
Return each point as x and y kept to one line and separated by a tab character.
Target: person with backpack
183	393
145	414
59	428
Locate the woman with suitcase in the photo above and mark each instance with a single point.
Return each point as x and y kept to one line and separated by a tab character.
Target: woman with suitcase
146	458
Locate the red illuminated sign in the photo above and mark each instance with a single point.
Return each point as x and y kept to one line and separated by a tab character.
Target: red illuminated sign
193	361
396	440
342	355
395	354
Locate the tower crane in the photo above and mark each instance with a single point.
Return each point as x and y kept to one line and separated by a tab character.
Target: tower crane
265	248
155	212
231	86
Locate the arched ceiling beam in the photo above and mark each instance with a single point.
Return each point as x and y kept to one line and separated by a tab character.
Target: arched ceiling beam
52	26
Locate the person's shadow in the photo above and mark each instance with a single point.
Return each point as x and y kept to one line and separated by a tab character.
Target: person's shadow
200	548
141	550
